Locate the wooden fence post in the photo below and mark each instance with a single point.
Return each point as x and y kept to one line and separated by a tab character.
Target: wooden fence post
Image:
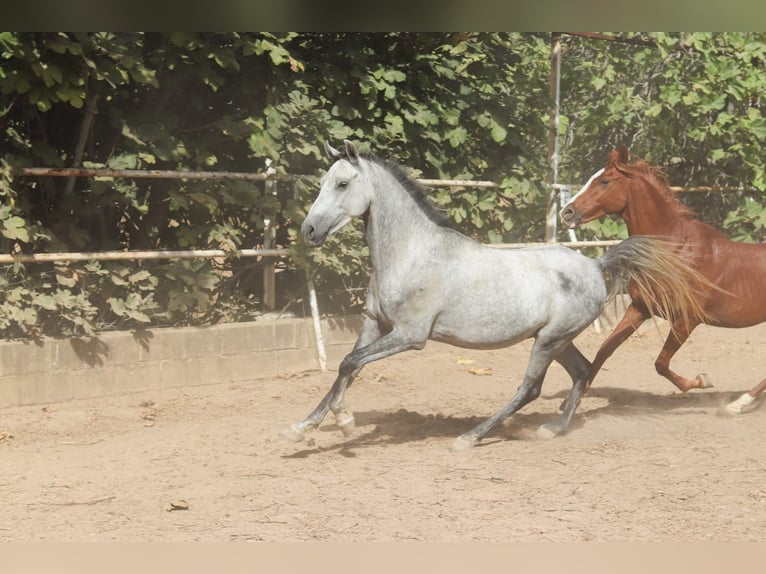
269	238
551	211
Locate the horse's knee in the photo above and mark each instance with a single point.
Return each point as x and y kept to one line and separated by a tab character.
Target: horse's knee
661	367
348	366
529	393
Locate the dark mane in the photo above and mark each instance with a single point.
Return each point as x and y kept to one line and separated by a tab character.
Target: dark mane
416	191
657	178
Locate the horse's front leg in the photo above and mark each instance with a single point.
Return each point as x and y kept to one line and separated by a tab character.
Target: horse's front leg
394	342
370	331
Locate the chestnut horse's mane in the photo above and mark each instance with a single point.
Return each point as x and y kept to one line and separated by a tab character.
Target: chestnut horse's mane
657	178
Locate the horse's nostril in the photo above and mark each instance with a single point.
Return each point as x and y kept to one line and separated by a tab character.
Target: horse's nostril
309	231
567	213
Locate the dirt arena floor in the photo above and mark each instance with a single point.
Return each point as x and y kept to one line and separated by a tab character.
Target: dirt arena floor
641	463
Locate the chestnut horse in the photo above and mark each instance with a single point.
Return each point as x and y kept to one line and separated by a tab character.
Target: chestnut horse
639	193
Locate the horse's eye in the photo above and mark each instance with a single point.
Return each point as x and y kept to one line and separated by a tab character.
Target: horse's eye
604	182
342	185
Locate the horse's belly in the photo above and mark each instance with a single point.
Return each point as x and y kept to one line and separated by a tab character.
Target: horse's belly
736	314
482	336
742	305
489	326
486	318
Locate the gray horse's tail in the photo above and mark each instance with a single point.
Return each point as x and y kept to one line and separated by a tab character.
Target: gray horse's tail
651	270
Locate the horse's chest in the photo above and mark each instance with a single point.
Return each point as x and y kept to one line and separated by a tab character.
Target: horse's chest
394	298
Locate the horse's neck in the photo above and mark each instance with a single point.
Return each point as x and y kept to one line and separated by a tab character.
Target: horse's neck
648	212
396	225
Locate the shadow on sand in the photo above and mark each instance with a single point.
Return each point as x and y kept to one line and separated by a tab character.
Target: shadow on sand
375	428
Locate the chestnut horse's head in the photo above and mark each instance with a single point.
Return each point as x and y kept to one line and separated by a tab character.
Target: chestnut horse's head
606	192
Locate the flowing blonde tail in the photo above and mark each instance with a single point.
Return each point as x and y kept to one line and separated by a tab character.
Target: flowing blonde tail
667	285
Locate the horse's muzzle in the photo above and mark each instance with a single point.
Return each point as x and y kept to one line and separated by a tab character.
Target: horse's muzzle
570	217
311	236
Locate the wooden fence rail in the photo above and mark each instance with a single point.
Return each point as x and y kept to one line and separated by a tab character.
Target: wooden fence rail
140	255
271	177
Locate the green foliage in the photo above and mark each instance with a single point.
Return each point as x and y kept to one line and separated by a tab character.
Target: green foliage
452	105
446	104
747	221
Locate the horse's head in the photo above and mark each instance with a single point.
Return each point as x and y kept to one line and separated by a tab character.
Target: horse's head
606	192
345	193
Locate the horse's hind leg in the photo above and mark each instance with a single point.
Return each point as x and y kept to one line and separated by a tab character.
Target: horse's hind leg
333	400
540	359
578	367
746	402
677	337
631	321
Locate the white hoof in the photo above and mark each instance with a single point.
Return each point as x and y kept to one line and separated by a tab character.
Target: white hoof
549	431
705	381
345	420
293	433
743	404
464	442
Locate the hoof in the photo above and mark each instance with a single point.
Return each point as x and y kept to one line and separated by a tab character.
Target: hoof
743	404
464	442
549	431
346	423
704	381
293	433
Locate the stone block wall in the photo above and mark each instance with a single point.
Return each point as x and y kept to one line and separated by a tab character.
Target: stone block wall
55	370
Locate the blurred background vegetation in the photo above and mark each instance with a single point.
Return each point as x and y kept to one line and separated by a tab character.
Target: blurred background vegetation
443	105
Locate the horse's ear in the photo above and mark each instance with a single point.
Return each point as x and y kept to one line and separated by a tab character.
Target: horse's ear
351	153
614	157
331	152
624	154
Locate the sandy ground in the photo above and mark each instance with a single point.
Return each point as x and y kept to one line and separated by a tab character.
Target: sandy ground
642	462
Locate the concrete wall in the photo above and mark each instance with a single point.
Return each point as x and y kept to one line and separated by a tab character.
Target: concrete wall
55	370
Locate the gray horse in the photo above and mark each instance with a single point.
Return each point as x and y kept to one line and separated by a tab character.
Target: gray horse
431	282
